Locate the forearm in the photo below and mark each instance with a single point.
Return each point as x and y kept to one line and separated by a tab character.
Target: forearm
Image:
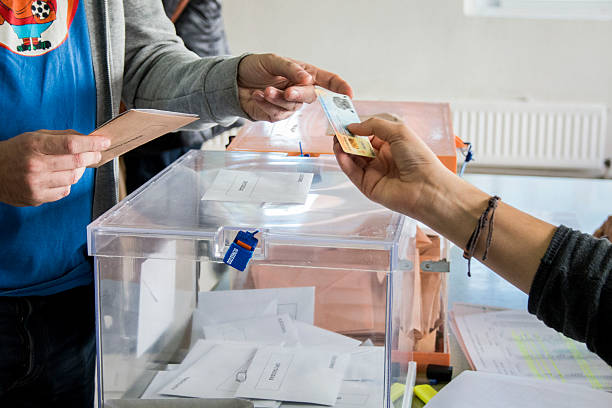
452	207
161	73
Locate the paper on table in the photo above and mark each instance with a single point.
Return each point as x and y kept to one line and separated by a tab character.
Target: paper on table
461	309
297	302
295	375
272	330
259	187
517	343
217	374
214	310
316	337
136	127
476	389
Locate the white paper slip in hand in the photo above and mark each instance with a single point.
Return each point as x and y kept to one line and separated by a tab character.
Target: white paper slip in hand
259	187
295	375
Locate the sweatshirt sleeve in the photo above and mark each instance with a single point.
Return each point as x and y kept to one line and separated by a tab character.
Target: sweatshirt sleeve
160	73
572	289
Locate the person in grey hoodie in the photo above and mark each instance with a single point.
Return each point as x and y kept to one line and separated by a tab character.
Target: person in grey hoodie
567	274
200	26
82	58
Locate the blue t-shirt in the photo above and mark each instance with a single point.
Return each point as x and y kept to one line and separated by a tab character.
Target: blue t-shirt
47	83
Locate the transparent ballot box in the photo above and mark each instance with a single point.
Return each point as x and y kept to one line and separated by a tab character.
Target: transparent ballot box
308	132
327	312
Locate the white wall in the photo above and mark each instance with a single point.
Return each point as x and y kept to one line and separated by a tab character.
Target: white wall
428	50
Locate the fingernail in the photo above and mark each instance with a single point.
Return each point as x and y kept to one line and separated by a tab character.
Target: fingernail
98	156
293	95
106	143
304	76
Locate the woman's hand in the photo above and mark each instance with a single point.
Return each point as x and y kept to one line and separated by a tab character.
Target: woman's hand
404	172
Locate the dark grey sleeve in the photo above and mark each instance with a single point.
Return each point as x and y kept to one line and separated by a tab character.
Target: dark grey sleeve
572	289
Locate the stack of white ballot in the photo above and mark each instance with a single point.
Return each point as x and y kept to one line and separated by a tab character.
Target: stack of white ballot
261	345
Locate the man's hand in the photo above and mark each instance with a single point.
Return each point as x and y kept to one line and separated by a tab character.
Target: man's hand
402	171
39	167
272	88
605	231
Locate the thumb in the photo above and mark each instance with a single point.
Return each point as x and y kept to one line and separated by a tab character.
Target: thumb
291	70
383	129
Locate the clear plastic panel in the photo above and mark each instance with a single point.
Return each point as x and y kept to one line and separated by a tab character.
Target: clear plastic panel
330	284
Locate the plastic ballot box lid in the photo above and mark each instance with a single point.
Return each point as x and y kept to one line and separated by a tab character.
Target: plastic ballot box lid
309	126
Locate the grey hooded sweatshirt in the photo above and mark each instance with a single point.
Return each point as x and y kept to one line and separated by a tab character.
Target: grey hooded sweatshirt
138	58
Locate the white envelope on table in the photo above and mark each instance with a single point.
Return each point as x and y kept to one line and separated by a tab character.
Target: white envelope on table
295	374
272	330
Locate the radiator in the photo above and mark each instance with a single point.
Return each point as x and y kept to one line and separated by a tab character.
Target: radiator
528	135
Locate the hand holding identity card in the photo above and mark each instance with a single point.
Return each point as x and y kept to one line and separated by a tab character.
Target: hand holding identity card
340	112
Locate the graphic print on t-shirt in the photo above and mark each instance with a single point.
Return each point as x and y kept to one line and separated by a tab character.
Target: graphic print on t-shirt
35	27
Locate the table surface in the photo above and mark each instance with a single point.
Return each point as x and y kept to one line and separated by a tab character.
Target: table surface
577	203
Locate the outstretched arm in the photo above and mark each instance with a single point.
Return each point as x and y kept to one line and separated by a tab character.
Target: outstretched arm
407	177
568	275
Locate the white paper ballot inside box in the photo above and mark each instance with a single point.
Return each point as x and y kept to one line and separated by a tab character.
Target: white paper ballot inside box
363	384
217	374
273	330
315	337
225	305
163	378
214	310
295	374
259	187
201	348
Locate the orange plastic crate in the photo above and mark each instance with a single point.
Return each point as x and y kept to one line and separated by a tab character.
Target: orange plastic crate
431	121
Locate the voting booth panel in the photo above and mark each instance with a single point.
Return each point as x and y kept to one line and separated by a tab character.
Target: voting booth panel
327	312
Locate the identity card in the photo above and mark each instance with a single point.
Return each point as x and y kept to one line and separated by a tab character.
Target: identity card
340	112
